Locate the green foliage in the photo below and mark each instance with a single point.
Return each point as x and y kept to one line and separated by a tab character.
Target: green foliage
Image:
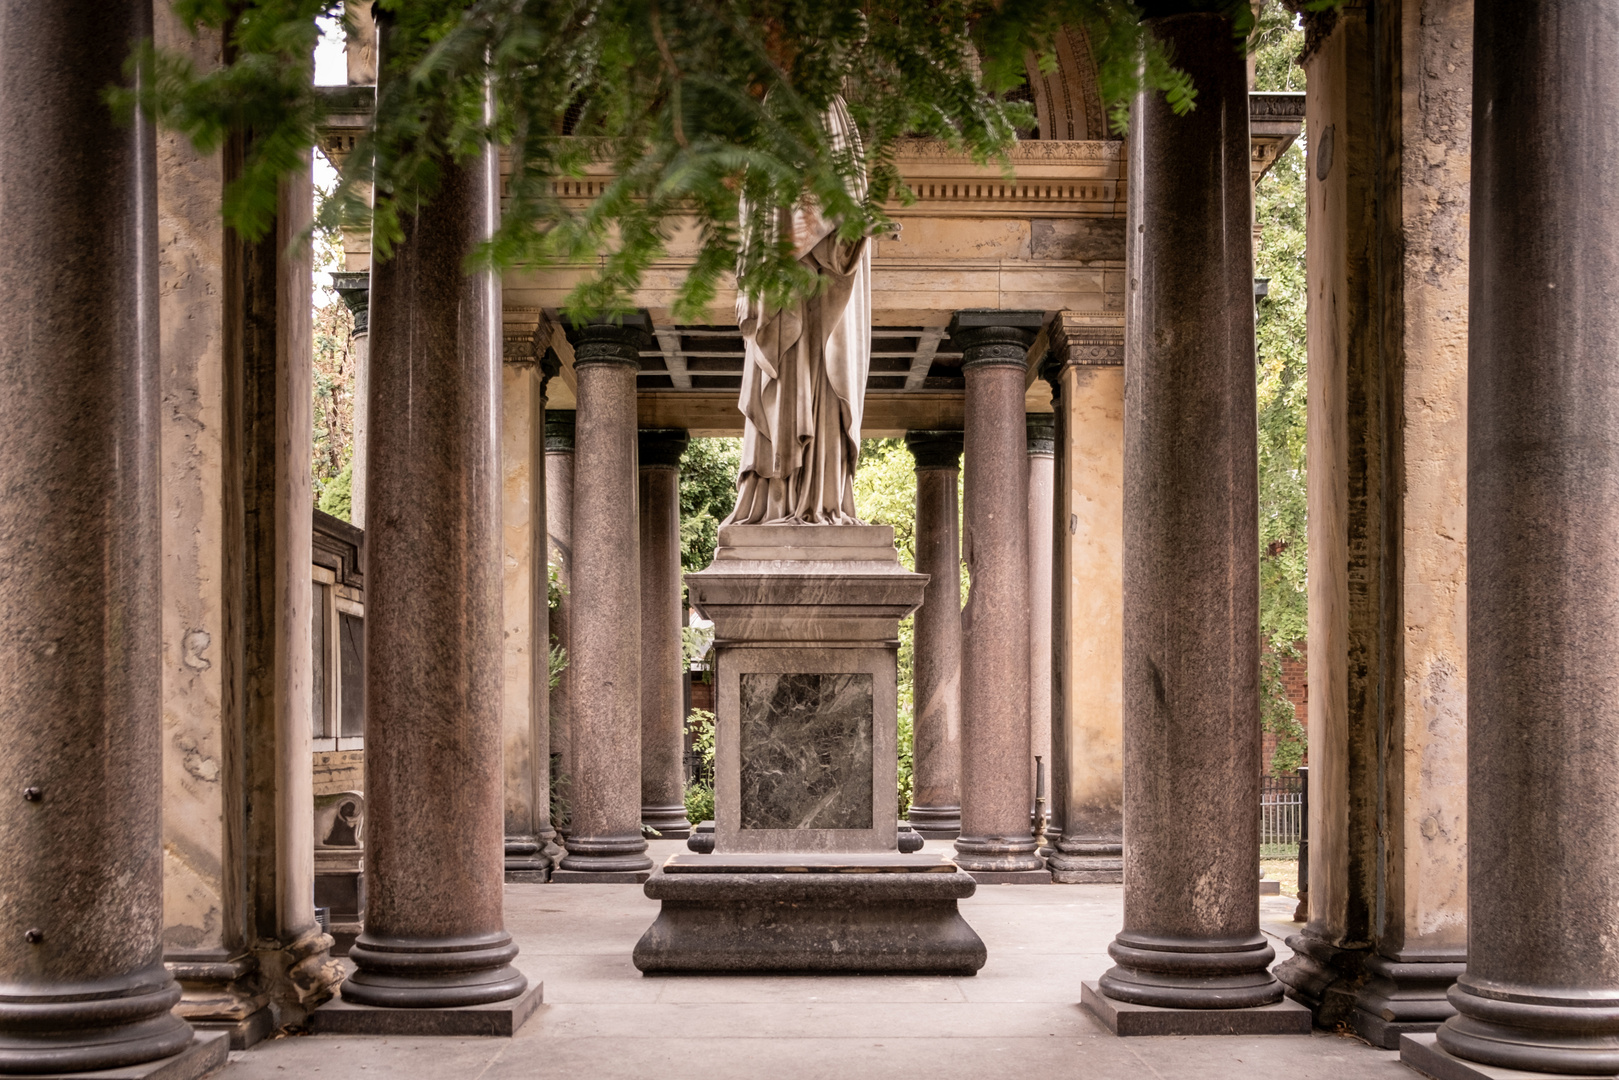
689	105
557	662
700	792
694	643
333	404
555	590
336	497
1283	548
708	471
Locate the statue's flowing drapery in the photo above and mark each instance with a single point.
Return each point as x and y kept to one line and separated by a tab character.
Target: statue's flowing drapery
804	376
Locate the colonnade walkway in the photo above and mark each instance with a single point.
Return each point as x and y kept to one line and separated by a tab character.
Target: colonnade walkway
1020	1016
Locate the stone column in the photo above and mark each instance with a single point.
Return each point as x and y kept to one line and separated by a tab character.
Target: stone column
525	715
1191	937
1541	989
1041	432
1087	724
936	655
434	928
355	289
663	695
995	842
559	432
81	864
604	841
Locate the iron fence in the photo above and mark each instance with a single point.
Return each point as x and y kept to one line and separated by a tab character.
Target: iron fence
1281	816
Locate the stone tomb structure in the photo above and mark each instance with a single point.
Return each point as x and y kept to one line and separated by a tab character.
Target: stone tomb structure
805	872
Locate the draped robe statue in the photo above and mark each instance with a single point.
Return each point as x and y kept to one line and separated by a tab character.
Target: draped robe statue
804	376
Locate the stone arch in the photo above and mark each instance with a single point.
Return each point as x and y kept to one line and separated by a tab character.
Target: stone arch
1068	102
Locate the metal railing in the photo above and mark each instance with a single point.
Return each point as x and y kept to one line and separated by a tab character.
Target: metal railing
1281	816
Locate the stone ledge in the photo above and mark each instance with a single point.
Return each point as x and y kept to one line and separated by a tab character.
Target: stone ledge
599	877
1286	1017
1424	1054
244	1033
1087	877
1011	877
498	1018
207	1052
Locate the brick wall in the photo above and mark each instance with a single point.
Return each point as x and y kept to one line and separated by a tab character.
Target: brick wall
1298	692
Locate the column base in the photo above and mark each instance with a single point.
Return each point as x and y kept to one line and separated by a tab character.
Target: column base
998	854
498	1018
222	993
604	855
1404	998
433	973
526	860
1195	973
1423	1054
1322	977
936	822
1078	863
670	821
208	1052
84	1027
1526	1027
1125	1018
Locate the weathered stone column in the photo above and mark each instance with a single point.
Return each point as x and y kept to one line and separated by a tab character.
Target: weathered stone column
1041	430
604	841
355	289
1541	989
434	927
936	656
81	865
559	432
1191	937
663	697
995	842
1087	719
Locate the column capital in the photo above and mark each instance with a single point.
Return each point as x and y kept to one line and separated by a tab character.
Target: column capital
559	431
989	336
661	448
1042	432
617	342
935	449
354	286
1086	339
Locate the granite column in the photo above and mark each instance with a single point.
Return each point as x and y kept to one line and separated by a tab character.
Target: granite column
434	923
1191	941
604	840
1541	988
995	842
1041	430
559	438
663	695
81	865
936	656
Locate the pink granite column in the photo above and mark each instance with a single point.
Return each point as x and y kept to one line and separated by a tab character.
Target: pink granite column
1541	989
604	839
936	660
1191	937
663	695
82	982
996	792
435	847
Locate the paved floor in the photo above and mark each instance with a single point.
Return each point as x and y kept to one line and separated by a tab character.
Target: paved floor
1018	1017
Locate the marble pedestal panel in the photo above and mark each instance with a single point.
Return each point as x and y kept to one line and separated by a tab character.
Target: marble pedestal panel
1286	1017
810	912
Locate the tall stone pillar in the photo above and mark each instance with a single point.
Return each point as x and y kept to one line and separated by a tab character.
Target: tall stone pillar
81	865
1387	930
1087	721
936	656
1541	988
663	692
1041	429
995	842
559	437
355	289
1191	941
525	712
434	926
605	842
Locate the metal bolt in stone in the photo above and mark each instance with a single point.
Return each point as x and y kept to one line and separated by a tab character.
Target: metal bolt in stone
33	794
34	936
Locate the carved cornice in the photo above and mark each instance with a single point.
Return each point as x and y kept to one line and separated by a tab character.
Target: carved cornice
991	338
1088	338
935	449
1041	431
354	286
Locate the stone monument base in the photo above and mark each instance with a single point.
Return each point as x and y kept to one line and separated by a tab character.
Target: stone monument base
876	913
498	1018
1286	1017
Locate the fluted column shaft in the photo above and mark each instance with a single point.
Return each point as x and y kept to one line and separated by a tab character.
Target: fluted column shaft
995	788
1191	592
81	873
1541	989
936	656
434	924
663	693
605	835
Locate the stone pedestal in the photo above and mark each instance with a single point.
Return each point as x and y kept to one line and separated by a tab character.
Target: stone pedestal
82	982
604	842
434	930
1541	989
663	697
1191	940
804	874
996	793
936	659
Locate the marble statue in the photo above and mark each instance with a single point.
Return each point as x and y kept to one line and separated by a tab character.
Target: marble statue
804	375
